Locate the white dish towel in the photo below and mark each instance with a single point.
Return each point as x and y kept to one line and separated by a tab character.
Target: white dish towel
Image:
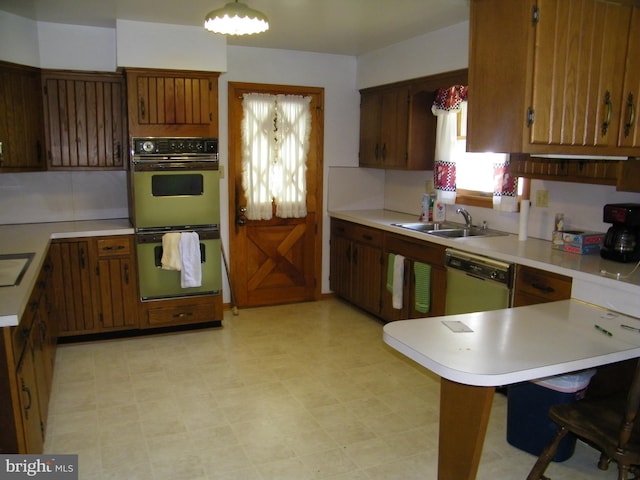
191	273
171	251
398	281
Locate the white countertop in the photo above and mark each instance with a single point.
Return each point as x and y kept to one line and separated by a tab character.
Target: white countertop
588	284
35	237
516	344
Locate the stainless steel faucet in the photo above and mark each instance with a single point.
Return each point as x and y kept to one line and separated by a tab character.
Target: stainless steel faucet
467	217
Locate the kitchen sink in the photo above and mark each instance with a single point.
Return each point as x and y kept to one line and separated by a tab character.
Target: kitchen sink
449	230
426	227
12	268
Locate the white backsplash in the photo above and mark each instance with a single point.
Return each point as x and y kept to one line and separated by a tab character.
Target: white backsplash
40	197
581	203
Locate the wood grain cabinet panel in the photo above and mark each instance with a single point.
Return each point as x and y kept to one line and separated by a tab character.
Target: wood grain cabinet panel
534	286
85	120
26	372
96	284
552	77
415	251
22	121
397	127
172	103
356	264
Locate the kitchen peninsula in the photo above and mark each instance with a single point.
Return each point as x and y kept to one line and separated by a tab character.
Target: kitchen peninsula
503	347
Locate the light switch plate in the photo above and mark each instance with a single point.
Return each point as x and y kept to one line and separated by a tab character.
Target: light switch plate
542	198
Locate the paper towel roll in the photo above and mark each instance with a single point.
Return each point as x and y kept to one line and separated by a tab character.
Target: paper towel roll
524	219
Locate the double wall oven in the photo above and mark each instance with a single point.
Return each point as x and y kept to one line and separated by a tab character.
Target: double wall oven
175	188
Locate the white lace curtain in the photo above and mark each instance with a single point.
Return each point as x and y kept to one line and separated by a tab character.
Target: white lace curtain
449	148
275	145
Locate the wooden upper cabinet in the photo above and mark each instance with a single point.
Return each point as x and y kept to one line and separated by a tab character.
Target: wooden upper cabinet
384	117
172	103
549	76
629	135
397	127
21	121
85	120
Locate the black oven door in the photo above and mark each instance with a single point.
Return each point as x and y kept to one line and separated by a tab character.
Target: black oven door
156	283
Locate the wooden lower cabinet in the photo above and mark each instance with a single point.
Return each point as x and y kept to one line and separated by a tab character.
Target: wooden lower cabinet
359	265
95	279
356	264
533	286
414	251
27	356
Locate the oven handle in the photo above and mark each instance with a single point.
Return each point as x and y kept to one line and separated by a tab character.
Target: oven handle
156	237
174	164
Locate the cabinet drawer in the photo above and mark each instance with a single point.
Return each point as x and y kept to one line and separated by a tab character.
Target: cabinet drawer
421	251
180	315
112	246
546	286
359	233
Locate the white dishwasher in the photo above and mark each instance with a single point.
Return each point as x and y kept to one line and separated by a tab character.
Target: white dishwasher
476	283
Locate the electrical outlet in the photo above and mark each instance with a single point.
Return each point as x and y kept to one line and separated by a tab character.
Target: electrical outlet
542	198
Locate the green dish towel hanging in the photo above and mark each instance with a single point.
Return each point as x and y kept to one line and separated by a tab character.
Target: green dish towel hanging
422	275
390	261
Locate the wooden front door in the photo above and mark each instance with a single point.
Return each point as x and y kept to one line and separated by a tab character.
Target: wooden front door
277	260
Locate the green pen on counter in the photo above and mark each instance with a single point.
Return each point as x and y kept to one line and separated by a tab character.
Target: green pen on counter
600	329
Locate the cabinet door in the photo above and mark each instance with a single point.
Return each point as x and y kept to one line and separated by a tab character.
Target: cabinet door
21	122
367	277
172	103
630	125
75	297
370	148
340	268
29	407
394	128
117	279
84	120
578	70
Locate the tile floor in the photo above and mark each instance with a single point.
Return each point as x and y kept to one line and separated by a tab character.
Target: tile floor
295	392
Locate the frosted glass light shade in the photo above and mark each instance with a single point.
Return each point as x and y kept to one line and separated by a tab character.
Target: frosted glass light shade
236	19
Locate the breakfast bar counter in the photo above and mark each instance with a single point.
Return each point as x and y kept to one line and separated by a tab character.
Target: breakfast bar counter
474	353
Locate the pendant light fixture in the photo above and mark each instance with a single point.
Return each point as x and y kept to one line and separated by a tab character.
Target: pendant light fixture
236	18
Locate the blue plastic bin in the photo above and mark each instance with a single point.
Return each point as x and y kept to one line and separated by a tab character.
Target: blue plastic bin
528	425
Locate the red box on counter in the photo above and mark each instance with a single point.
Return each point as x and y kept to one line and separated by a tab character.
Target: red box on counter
577	241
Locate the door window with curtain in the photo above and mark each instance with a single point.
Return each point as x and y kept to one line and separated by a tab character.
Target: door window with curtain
275	145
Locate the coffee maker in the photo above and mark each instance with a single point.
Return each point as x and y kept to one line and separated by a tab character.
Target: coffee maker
622	240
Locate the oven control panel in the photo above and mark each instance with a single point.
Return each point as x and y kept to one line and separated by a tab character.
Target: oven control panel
183	146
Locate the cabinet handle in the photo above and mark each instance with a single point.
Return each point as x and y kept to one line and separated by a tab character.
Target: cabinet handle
110	248
118	151
142	108
26	390
543	288
183	314
384	151
632	115
1	155
82	258
377	151
126	273
367	237
607	117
